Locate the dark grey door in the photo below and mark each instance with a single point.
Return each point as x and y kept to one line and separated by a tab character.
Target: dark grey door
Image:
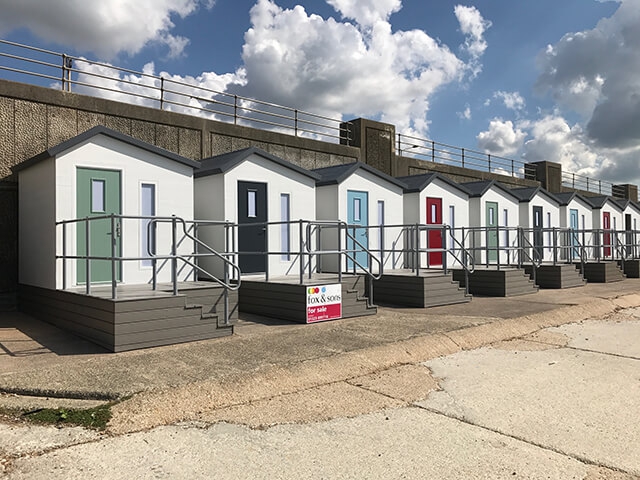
537	233
252	230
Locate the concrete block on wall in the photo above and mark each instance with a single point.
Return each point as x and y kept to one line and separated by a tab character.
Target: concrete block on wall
7	144
30	128
190	143
62	124
119	124
220	144
145	131
88	120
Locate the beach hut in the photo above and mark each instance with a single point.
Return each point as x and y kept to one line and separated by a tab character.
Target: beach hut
264	195
370	203
102	221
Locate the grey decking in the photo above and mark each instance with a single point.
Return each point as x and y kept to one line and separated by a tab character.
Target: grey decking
429	289
557	276
138	318
505	282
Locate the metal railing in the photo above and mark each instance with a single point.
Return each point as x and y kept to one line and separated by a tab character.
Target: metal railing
584	183
114	229
436	152
71	73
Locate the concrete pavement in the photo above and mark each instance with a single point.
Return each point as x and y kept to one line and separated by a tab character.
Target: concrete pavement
557	402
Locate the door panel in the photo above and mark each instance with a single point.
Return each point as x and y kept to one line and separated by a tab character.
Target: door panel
606	237
252	231
98	193
538	239
357	215
434	237
573	221
491	220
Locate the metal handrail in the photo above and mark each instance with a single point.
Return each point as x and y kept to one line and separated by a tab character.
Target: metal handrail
212	252
174	256
370	255
159	92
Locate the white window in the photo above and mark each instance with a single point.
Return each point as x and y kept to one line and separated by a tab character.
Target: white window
381	225
505	223
357	217
452	224
251	203
491	217
614	223
582	222
97	196
549	240
147	234
285	228
434	213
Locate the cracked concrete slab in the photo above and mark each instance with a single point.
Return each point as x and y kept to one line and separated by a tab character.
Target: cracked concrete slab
576	402
408	443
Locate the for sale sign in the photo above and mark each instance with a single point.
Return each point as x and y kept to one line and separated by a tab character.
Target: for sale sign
324	302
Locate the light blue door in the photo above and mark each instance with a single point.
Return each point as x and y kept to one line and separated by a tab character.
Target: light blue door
573	220
357	215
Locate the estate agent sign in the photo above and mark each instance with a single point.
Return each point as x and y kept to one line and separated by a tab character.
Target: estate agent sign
324	302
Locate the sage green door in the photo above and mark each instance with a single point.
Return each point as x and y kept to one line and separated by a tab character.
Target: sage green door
492	233
97	194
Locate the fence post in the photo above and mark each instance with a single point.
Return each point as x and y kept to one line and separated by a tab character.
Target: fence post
489	161
295	122
174	260
399	144
301	243
462	157
433	151
235	109
64	256
113	255
87	233
161	93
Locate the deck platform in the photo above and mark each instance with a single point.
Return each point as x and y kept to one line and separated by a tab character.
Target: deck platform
491	282
431	288
564	275
603	272
139	317
286	299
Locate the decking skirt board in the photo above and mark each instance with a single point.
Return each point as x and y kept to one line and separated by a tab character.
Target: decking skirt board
135	321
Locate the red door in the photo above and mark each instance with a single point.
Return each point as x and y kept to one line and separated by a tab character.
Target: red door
434	236
606	237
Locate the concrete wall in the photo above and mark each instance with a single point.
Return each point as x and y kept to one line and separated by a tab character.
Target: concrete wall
8	236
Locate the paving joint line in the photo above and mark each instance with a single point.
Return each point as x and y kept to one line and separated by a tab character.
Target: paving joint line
579	458
578	349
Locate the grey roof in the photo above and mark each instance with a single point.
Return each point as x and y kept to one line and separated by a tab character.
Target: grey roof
226	161
417	183
480	187
100	130
599	201
566	197
338	173
526	194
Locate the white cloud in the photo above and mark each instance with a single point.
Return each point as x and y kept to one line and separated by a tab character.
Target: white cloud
106	28
511	100
334	68
466	113
595	73
473	26
366	12
502	138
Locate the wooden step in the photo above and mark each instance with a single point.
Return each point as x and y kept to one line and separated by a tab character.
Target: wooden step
419	291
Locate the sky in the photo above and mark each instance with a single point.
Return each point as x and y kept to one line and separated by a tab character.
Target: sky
530	80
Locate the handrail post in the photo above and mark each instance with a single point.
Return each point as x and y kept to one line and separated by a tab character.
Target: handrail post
161	93
339	230
445	252
295	122
195	250
417	251
64	256
497	245
235	109
113	255
462	149
555	246
174	260
88	254
301	246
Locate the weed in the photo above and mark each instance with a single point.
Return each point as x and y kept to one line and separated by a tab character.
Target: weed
96	417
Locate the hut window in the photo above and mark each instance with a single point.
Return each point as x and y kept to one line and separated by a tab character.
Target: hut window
381	225
285	235
147	209
452	224
357	217
582	222
251	203
505	223
97	195
549	227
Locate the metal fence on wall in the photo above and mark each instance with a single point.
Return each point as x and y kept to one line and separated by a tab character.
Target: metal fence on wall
77	74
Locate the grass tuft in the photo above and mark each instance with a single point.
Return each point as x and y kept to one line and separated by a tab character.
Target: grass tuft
96	418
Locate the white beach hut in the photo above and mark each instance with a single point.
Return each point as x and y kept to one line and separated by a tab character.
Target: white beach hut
367	200
265	195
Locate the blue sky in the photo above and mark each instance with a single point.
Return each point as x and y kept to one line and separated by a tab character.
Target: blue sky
533	80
